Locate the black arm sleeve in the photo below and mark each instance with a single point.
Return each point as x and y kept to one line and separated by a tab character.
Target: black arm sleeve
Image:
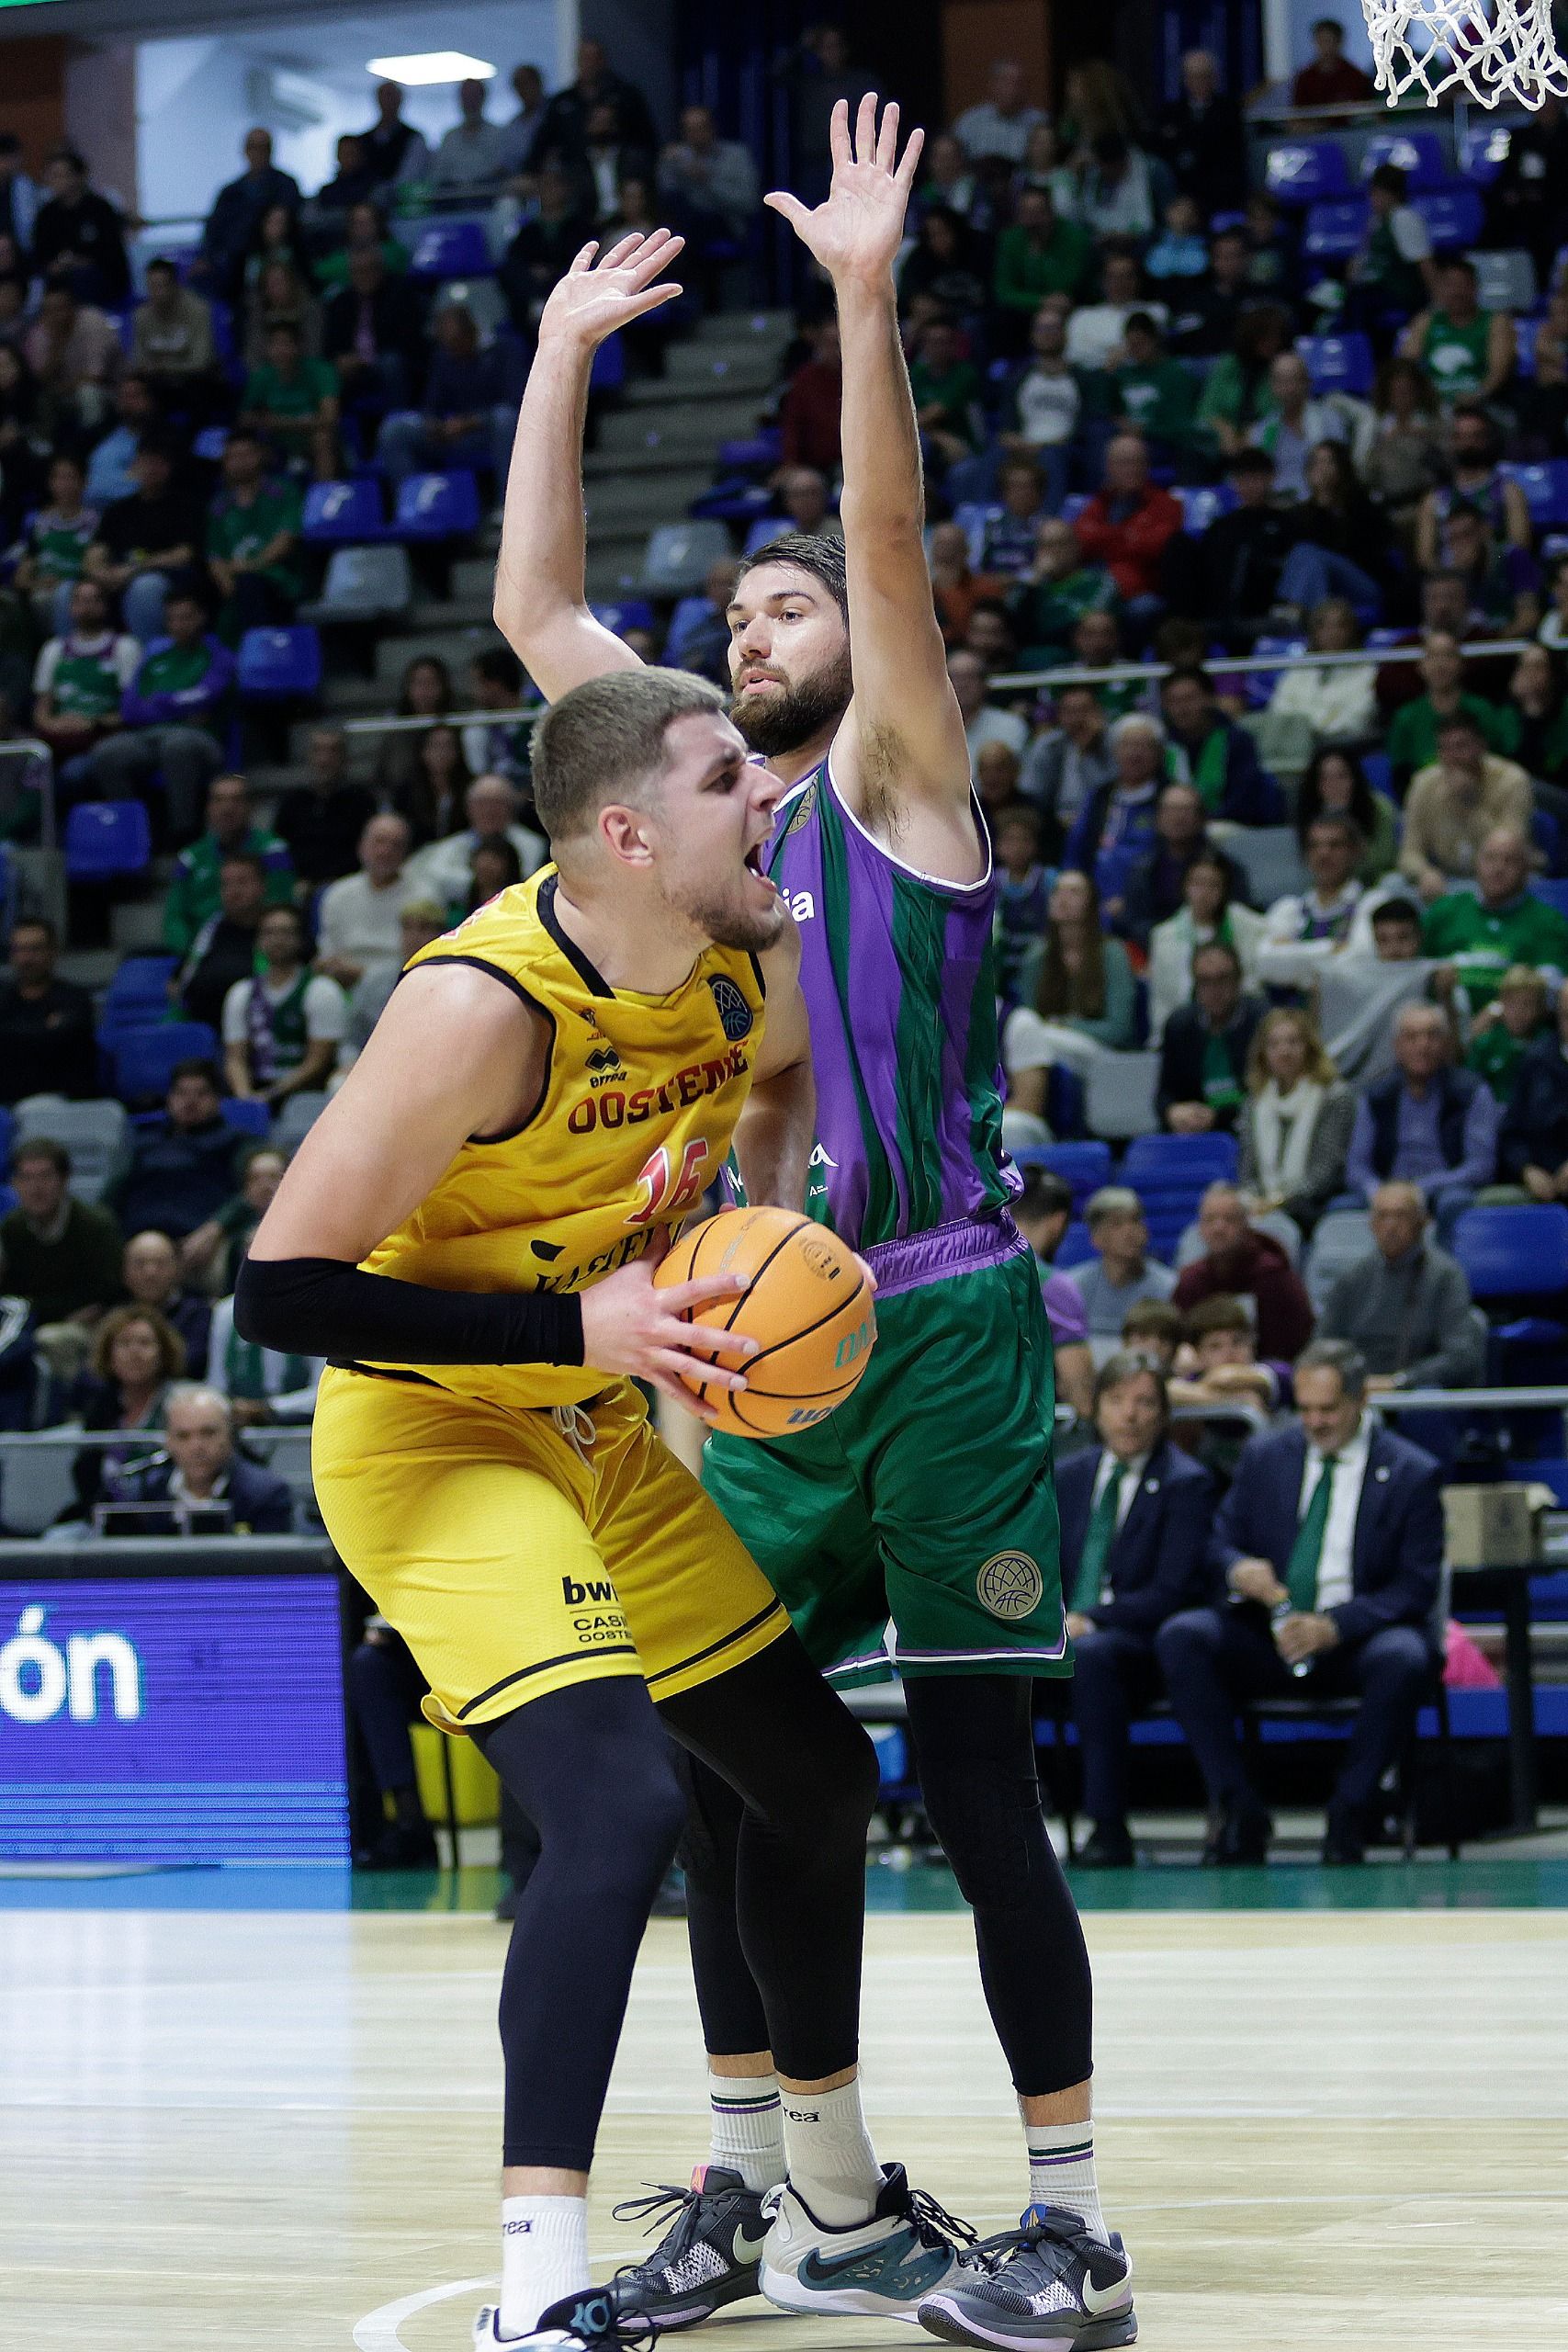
319	1307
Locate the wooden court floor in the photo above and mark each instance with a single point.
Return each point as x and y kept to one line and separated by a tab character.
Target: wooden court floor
247	2130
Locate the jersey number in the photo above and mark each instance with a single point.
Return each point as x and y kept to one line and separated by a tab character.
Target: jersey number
670	1190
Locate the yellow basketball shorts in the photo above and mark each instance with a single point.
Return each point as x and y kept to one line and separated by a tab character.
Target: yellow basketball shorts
514	1562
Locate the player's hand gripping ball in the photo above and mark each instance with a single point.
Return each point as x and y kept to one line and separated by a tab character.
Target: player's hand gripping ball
808	1307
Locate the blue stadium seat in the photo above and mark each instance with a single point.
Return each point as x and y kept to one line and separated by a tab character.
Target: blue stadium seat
1073	505
608	372
1378	769
1085	1165
1545	488
247	1118
106	837
1334	232
1076	1248
1482	155
338	514
451	249
436	506
1551	894
144	1057
1173	1161
1507	1252
1452	216
632	612
210	443
1418	154
1546	835
139	992
1337	363
1525	334
758	450
7	1125
280	665
1306	170
761	529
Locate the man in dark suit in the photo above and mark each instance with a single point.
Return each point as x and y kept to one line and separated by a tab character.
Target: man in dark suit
1134	1518
1331	1543
372	333
199	1467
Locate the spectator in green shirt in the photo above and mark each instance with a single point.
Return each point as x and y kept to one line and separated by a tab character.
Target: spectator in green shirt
1154	393
175	710
293	402
946	390
193	895
252	540
56	543
1056	592
1475	936
1041	253
1501	1036
1412	733
362	233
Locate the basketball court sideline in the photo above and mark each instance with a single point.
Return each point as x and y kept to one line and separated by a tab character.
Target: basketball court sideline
265	2129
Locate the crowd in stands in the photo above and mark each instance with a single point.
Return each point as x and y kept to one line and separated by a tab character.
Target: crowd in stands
1297	933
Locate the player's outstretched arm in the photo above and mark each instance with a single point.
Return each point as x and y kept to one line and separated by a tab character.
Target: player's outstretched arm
541	597
774	1135
904	734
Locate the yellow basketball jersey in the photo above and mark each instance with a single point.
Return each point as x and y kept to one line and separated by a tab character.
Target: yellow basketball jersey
640	1099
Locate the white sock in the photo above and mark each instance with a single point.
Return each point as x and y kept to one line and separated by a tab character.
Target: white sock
832	2160
746	2126
544	2256
1061	2172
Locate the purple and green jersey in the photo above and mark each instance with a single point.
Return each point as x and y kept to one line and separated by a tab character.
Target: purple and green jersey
900	981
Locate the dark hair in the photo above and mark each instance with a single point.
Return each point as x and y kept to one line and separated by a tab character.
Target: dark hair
1154	1318
1143	322
1082	993
285	906
1221	1313
1390	179
1363	810
158	443
823	559
197	1065
1192	673
1130	1363
424	662
1044	1193
1211	855
1335	1355
245	857
1404	910
70	155
512	869
1338	821
171	1347
499	664
608	736
1397	370
43	1147
1250	459
1462	722
244	433
1348	493
1217	948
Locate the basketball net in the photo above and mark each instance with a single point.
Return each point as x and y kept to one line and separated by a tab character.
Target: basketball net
1492	51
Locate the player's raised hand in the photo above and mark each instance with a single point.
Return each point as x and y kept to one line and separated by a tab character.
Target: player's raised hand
603	291
859	230
631	1328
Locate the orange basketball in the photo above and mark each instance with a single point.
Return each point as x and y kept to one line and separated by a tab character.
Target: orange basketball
809	1309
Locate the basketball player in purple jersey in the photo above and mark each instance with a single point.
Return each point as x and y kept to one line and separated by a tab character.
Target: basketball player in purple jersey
916	1530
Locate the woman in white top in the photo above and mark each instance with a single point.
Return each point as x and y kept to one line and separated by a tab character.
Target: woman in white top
1295	1126
1207	912
1339	705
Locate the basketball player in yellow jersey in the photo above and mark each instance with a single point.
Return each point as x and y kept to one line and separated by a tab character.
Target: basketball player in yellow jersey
467	1232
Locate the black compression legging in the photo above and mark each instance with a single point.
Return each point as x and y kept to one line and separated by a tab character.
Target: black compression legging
593	1771
975	1748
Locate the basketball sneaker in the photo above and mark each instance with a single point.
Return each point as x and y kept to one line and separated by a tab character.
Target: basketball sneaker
882	2268
586	2322
1048	2286
708	2257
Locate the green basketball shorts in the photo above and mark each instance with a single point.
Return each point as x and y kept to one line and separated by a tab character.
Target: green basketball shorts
916	1528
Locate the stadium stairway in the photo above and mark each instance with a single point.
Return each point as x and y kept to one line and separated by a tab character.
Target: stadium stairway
654	452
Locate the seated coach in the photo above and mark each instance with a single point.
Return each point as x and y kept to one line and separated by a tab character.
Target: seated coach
1136	1514
1330	1541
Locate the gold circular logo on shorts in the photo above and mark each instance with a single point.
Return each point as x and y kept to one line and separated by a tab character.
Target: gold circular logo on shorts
1011	1584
